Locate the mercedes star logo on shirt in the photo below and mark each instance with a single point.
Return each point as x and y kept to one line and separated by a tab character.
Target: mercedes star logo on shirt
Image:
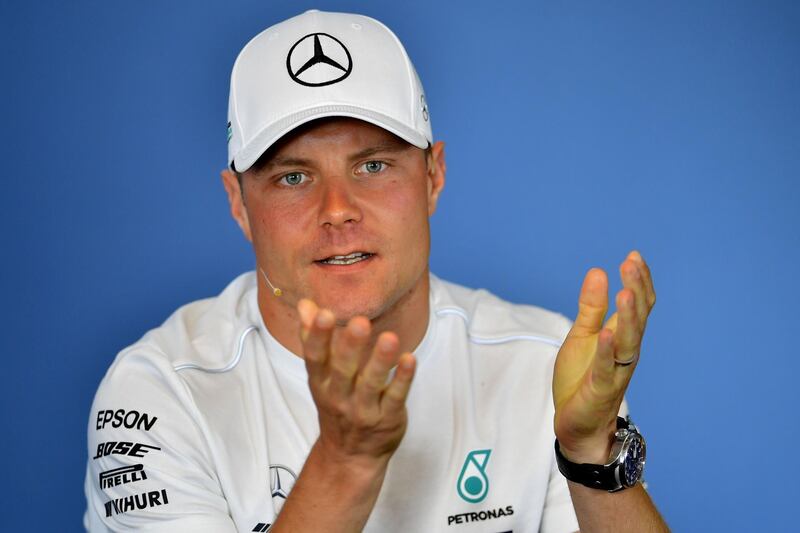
318	59
281	480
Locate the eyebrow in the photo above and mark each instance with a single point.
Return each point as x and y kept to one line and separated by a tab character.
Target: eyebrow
391	146
279	161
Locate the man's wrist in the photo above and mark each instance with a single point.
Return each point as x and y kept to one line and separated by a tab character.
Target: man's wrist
592	449
355	473
334	492
594	452
622	469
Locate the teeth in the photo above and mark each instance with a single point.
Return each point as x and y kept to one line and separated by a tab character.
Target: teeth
355	257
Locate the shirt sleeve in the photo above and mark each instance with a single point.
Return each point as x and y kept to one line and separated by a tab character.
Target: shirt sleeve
148	463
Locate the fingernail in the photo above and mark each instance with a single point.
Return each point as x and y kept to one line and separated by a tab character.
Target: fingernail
407	363
359	328
325	319
387	343
306	310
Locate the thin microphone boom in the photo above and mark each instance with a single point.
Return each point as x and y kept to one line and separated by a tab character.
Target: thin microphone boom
275	290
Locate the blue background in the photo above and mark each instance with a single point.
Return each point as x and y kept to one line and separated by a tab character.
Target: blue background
575	132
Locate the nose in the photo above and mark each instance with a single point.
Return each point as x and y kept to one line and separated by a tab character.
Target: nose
339	205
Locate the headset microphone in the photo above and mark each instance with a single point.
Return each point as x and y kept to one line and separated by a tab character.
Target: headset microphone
275	290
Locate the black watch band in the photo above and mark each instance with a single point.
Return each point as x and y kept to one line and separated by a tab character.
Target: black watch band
604	477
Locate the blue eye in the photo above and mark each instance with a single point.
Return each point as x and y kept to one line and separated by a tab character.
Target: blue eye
293	178
372	167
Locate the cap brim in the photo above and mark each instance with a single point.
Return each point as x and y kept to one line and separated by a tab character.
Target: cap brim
250	153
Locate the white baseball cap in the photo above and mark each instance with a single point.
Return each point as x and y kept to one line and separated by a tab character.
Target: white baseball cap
316	65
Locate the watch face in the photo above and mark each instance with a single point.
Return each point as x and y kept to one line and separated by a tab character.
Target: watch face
634	461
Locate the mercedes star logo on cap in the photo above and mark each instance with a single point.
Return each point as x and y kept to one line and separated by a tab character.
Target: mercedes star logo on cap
327	61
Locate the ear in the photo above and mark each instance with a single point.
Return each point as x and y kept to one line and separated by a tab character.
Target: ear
236	201
436	173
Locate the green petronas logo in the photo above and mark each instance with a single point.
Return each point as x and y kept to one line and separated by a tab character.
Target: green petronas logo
473	484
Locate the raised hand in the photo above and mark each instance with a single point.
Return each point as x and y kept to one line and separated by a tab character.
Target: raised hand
362	413
596	361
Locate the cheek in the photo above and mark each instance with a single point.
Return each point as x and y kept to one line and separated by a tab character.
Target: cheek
405	213
278	229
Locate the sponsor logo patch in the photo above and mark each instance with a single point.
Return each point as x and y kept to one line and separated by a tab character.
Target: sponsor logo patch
281	481
473	483
479	516
154	498
132	449
122	476
123	418
319	59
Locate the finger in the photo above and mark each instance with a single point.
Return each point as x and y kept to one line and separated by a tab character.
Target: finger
592	304
646	277
394	397
603	365
307	310
609	379
348	350
628	335
375	374
631	276
317	342
612	322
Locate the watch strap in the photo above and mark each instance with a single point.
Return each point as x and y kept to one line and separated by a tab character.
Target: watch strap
603	477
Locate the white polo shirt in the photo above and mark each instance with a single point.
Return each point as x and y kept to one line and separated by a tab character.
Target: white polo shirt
204	424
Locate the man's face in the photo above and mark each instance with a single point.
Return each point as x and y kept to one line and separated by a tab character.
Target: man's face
339	187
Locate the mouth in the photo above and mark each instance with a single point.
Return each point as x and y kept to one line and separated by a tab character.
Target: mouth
345	260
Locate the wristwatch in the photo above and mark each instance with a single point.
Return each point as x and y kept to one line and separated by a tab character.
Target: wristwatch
624	467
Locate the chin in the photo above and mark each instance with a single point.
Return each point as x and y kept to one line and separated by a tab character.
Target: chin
346	304
371	298
346	308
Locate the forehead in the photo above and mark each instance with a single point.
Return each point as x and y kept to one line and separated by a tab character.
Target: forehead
344	132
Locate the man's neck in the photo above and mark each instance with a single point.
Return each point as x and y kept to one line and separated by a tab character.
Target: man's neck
408	318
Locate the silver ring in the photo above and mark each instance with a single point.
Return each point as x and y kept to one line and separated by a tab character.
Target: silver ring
628	362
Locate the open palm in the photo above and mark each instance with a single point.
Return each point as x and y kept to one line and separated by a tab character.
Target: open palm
596	361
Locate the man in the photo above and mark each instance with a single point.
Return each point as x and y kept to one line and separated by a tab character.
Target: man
286	403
